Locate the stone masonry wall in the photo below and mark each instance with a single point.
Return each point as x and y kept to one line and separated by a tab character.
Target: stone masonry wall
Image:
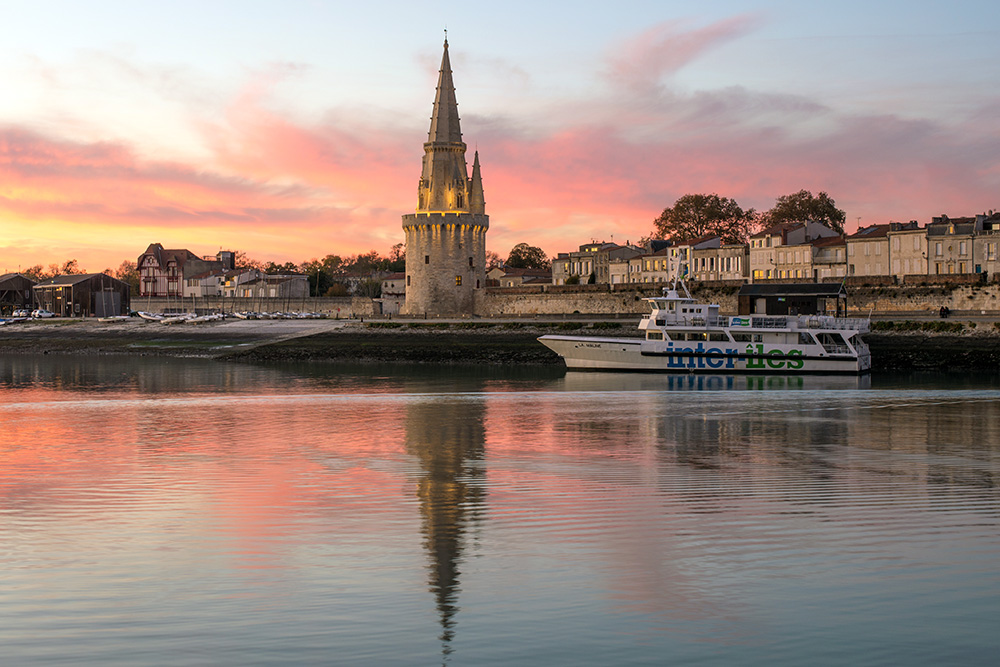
343	307
879	301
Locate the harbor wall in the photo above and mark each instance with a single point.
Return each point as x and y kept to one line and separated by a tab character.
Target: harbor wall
533	301
880	301
904	300
343	307
600	300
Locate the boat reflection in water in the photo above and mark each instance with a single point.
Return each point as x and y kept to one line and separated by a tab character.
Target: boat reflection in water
584	381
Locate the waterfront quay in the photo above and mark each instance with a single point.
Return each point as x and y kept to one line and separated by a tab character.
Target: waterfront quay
917	342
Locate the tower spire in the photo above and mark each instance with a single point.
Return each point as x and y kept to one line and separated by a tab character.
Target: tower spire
444	181
445	128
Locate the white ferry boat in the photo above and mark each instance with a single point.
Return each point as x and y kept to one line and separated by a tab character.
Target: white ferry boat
682	336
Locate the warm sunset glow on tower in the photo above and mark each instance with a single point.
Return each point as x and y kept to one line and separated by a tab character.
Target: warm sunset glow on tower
446	237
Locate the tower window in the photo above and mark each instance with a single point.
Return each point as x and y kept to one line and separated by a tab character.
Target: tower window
407	281
458	281
427	259
470	262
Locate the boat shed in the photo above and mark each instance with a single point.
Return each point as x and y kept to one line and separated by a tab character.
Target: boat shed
83	295
15	292
793	299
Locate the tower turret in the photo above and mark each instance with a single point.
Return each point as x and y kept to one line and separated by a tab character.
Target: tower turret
477	199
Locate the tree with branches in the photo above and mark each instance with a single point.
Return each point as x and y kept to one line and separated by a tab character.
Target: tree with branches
804	207
695	215
524	256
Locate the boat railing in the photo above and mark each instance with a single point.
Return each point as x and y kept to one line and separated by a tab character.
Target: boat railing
829	322
836	349
773	322
699	321
761	322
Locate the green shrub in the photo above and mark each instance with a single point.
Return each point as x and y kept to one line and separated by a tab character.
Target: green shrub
942	326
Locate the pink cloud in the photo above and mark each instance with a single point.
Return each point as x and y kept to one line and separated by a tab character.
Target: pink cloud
642	62
284	189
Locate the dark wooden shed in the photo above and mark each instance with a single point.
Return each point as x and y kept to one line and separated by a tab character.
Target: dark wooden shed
15	292
793	299
83	295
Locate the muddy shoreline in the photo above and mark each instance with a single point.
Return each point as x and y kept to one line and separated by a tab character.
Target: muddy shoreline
447	343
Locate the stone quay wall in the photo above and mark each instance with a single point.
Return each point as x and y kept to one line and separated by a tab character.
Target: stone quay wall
879	300
622	302
343	307
979	299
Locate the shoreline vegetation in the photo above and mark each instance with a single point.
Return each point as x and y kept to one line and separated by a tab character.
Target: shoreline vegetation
897	345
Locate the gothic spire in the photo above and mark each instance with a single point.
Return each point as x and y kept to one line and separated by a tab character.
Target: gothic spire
445	127
444	182
477	199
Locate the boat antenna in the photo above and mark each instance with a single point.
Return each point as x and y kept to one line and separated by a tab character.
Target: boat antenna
682	266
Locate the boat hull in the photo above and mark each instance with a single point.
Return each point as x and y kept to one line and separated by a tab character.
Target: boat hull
633	354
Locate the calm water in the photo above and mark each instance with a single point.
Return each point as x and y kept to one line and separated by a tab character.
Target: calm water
191	513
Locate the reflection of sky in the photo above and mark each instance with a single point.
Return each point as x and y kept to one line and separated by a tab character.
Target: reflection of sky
612	523
207	125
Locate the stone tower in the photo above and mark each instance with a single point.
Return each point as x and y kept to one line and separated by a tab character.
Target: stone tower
446	236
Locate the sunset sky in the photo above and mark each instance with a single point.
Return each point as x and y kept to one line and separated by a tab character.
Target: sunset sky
295	129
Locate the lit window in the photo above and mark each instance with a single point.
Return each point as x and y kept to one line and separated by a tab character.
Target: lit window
458	281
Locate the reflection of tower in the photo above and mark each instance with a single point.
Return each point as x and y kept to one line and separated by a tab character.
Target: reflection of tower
446	436
446	237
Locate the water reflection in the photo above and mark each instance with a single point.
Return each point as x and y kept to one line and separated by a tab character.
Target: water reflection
447	438
583	381
296	512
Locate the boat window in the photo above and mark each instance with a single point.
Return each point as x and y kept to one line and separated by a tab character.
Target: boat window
741	337
718	336
831	338
654	335
805	338
696	336
758	338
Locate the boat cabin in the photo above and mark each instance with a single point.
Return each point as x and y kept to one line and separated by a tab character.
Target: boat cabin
793	299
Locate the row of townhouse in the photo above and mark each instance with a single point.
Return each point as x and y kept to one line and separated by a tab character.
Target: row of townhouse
946	246
706	258
799	252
